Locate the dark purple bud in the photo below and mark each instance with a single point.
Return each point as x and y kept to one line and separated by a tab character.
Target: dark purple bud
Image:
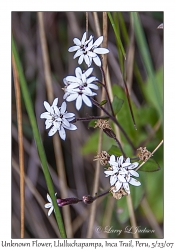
67	201
88	199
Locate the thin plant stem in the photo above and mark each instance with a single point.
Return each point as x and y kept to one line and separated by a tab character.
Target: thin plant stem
95	188
87	21
106	89
149	156
21	150
37	137
132	216
97	24
56	139
90	118
97	168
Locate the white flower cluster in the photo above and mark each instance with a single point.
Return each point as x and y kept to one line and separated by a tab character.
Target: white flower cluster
79	87
88	50
121	172
58	119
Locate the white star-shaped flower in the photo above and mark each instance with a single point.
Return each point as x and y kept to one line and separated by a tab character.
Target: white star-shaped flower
58	119
87	50
79	87
121	173
49	205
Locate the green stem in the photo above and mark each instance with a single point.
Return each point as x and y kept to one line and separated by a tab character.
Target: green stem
117	35
41	152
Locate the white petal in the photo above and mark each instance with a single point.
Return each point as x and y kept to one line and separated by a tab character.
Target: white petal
83	78
128	160
71	127
98	41
87	91
55	102
112	158
92	79
86	58
113	179
66	94
73	48
97	61
78	53
78	72
101	51
47	106
121	178
50	211
63	107
70	119
69	115
72	79
118	185
52	131
80	60
57	111
62	133
83	38
66	122
73	85
109	172
86	100
126	164
46	115
123	171
65	81
72	97
88	72
77	41
133	165
79	102
48	205
120	160
48	123
57	123
49	198
126	187
91	54
92	86
134	182
90	41
134	173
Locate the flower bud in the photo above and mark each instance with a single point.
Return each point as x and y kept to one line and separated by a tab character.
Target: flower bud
67	201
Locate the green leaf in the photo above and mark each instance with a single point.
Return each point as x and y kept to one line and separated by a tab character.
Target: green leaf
91	145
117	34
114	150
148	64
103	102
117	104
92	123
150	166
